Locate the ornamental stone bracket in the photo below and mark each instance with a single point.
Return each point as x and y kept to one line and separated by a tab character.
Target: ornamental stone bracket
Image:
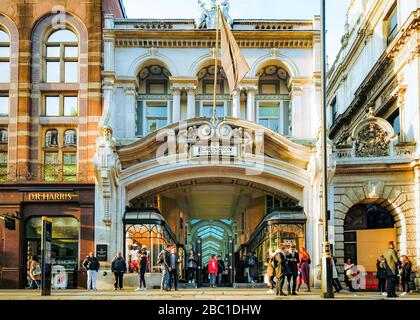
105	163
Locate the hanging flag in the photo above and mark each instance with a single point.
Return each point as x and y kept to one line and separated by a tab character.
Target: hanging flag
233	62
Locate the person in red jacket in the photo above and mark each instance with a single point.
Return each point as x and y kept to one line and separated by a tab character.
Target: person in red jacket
212	267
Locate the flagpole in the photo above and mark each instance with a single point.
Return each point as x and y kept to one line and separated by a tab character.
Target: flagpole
326	274
216	64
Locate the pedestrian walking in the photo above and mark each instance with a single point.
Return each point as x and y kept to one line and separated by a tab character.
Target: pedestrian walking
381	275
143	266
405	274
281	268
173	273
164	262
304	263
391	266
292	259
192	266
220	269
35	273
212	269
92	265
118	268
270	271
350	272
252	265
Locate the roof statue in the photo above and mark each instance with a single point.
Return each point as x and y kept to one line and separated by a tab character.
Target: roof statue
208	14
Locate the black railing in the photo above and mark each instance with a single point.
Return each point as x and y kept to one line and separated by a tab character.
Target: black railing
38	173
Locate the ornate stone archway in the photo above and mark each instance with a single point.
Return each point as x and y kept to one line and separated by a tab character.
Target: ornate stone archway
398	200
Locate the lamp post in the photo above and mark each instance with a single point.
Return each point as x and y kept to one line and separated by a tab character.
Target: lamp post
326	280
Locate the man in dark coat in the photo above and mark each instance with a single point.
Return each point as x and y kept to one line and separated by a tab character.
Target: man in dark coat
118	268
391	266
92	265
292	262
281	268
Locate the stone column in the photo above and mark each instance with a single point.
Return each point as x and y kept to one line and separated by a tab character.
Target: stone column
250	105
176	105
130	112
236	103
191	103
108	92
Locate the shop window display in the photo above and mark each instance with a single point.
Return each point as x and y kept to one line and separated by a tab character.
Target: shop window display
64	248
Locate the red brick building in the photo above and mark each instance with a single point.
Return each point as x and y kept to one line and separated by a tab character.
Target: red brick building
50	106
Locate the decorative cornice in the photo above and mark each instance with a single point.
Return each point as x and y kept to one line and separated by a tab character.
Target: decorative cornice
205	39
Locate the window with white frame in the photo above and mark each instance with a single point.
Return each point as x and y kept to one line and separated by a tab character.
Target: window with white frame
156	115
62	57
61	105
4	106
269	115
4	56
391	25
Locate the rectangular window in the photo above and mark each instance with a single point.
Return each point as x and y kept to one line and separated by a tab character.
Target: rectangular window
334	110
4	72
70	72
3	166
70	106
71	52
52	106
69	166
156	116
51	166
208	110
56	106
4	106
4	52
53	52
392	26
394	120
53	71
269	115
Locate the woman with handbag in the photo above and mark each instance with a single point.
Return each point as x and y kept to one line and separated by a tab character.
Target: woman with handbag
35	273
350	272
304	262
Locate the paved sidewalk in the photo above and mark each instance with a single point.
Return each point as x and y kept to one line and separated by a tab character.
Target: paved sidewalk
187	294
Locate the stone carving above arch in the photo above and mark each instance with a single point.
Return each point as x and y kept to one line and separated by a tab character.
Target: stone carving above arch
153	55
373	137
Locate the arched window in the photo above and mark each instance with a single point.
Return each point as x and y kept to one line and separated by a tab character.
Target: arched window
4	56
70	138
273	100
51	138
206	90
62	56
153	105
3	136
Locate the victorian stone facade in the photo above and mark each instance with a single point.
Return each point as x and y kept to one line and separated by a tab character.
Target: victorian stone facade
50	92
373	97
161	156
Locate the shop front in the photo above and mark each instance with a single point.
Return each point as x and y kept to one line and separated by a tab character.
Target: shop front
72	212
281	225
